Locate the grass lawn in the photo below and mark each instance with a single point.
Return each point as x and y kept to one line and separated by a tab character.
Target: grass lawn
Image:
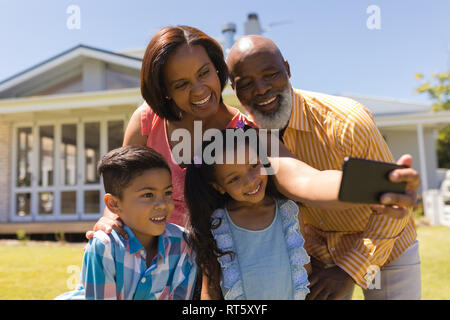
30	271
37	272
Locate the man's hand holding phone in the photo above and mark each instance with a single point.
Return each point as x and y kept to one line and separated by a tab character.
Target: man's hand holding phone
398	205
390	189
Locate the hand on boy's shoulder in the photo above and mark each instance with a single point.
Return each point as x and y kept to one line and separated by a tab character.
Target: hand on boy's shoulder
100	237
108	223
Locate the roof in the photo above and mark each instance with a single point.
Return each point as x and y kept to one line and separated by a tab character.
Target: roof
130	58
66	56
382	106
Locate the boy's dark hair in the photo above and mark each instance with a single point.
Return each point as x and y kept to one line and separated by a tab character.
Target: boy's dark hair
120	166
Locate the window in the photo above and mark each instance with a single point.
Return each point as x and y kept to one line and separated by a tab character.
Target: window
57	178
24	148
68	152
91	151
46	155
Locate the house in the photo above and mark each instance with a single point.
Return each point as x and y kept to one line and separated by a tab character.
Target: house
410	127
56	120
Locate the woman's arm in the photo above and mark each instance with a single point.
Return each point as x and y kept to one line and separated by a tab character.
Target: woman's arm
133	134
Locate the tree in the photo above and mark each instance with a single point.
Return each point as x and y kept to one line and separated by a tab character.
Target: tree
438	89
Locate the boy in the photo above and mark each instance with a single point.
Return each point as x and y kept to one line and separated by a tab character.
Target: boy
155	261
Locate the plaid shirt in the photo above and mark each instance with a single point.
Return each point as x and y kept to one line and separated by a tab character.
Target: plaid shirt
114	268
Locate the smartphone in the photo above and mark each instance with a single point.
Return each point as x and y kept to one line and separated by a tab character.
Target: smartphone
364	181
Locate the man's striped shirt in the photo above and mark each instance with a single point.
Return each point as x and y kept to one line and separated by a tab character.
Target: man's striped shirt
322	131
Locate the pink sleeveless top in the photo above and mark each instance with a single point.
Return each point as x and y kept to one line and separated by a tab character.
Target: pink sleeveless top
155	129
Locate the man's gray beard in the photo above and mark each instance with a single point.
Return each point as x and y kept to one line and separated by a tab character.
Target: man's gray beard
276	119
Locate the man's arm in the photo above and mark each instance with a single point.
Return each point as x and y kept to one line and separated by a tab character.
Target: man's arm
319	189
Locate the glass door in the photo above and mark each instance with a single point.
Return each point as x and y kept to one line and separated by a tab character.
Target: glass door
55	169
91	189
22	175
68	176
45	189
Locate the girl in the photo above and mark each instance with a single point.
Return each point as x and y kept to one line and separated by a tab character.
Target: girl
246	234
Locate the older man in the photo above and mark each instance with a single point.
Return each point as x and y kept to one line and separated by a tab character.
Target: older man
348	246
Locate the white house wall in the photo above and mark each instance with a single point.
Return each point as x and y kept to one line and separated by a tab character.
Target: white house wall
430	137
405	142
5	169
111	78
119	80
94	75
73	85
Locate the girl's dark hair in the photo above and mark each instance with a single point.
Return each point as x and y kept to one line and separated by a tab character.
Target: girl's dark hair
162	45
120	166
202	200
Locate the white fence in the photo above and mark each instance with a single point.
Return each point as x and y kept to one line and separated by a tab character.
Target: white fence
436	203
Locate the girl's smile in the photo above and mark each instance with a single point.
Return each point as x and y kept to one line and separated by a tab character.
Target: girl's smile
255	191
244	183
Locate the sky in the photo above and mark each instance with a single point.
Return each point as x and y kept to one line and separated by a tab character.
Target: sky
333	46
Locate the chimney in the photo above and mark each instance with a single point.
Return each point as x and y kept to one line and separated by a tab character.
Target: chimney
228	30
252	25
